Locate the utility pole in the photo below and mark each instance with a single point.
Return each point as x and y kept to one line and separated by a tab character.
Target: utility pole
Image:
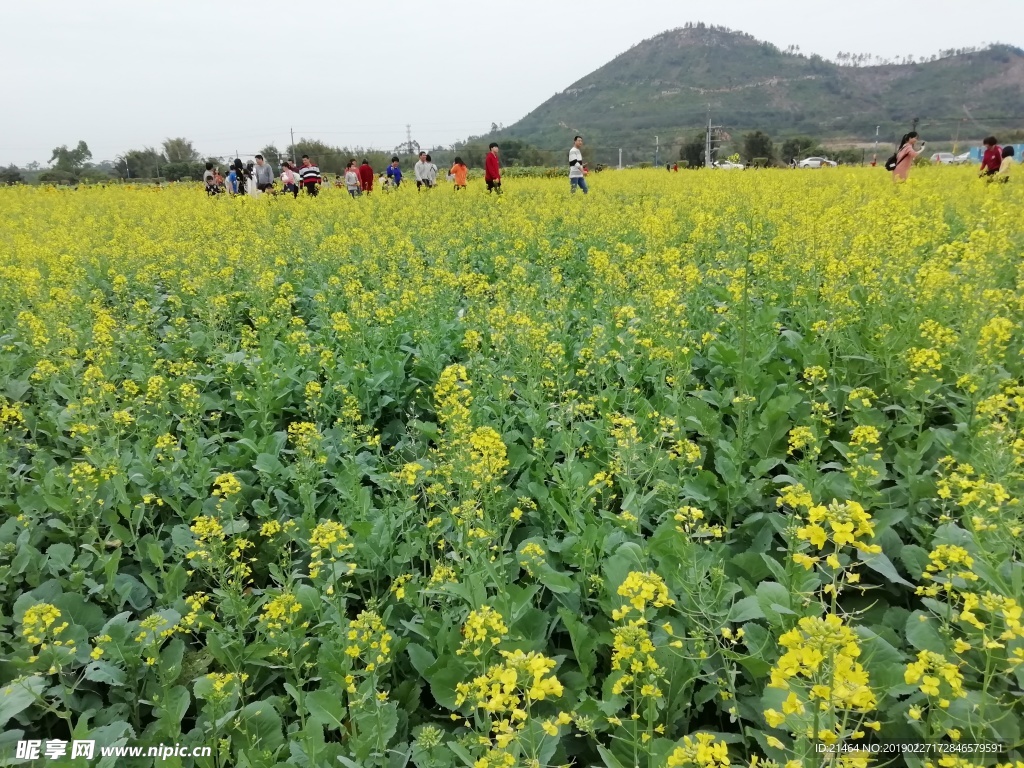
707	145
292	131
875	155
656	151
408	138
914	126
707	141
620	158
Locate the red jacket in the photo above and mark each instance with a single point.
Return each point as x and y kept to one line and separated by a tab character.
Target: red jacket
992	158
491	169
366	177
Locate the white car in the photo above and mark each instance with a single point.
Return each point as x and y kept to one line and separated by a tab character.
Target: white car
725	165
816	162
944	158
963	159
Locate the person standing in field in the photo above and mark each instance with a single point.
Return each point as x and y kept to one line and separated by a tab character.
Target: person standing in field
366	177
289	179
576	178
264	174
309	175
992	158
905	156
1005	165
231	181
421	171
492	169
431	173
211	186
250	177
395	172
352	182
459	173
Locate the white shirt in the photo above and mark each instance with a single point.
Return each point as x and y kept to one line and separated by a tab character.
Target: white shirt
421	170
575	171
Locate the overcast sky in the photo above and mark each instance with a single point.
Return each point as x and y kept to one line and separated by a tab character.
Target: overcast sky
237	74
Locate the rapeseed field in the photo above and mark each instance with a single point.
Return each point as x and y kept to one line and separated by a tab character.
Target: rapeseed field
702	469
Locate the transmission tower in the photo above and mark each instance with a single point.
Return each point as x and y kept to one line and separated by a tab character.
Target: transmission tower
408	138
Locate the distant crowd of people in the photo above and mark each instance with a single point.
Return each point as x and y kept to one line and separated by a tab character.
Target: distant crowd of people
996	162
257	177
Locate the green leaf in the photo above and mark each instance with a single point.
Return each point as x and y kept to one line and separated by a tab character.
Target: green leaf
914	558
59	557
746	609
584	641
19	696
81	612
325	707
923	634
443	681
174	705
879	563
268	464
774	599
105	672
610	761
421	658
114	734
558	582
259	726
375	725
461	752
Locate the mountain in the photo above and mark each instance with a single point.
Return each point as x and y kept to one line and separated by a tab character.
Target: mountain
664	87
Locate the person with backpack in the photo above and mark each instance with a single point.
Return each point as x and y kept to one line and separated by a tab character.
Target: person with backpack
900	162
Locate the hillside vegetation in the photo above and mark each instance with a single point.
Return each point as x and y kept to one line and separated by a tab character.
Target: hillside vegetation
666	86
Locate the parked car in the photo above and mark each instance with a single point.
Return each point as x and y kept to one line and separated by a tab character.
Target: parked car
944	158
725	165
963	159
816	162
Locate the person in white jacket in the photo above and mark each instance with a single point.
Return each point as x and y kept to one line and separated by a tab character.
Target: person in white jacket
422	171
576	178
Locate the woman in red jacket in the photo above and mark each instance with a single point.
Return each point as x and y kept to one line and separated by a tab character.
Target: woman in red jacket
992	158
366	177
492	169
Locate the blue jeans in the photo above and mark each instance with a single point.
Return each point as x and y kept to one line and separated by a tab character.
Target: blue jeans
577	181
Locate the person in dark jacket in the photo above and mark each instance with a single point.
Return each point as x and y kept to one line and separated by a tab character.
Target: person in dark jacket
395	172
